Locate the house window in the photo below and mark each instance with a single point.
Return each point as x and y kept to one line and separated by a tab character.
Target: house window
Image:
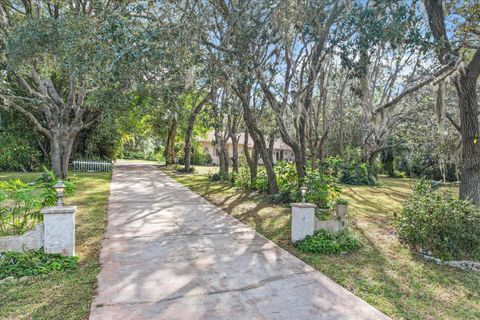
278	156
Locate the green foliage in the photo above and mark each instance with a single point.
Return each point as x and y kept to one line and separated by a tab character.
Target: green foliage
439	223
322	189
18	148
399	174
181	169
199	155
350	172
341	201
215	177
46	183
261	182
16	156
426	186
20	207
324	242
242	178
20	203
32	263
101	142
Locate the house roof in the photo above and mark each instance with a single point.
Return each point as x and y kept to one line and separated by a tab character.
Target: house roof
210	137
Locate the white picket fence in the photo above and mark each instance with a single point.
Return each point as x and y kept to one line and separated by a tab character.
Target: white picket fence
92	166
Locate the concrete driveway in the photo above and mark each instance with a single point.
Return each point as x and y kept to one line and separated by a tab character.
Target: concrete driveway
170	254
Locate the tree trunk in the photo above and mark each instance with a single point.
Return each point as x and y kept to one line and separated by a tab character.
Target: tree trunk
56	157
465	84
302	161
313	158
470	161
251	161
388	161
257	136
222	152
170	150
259	141
300	165
318	149
60	151
226	158
371	158
187	147
254	166
234	153
271	146
232	134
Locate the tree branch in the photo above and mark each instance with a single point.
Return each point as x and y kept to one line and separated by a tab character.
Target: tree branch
439	75
38	126
454	124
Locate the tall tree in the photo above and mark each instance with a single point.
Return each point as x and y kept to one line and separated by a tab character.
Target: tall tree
465	58
198	105
303	30
57	56
235	26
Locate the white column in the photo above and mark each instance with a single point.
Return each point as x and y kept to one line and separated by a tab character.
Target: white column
59	232
303	220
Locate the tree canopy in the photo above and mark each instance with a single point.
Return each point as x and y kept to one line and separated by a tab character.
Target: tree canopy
392	83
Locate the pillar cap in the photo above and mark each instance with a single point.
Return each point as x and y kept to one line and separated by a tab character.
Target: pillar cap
303	205
58	210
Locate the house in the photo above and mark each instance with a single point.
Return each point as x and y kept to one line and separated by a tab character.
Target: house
281	151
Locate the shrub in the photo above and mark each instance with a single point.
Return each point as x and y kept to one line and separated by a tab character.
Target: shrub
20	207
200	156
242	179
20	203
181	169
18	144
324	242
286	177
31	263
439	224
399	174
322	189
215	177
283	197
261	182
350	172
18	157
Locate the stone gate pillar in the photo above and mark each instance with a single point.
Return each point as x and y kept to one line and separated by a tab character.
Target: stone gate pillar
303	220
59	230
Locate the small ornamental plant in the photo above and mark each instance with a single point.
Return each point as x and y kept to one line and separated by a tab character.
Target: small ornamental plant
325	242
341	202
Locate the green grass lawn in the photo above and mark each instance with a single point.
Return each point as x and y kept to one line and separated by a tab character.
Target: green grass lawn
64	295
383	272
